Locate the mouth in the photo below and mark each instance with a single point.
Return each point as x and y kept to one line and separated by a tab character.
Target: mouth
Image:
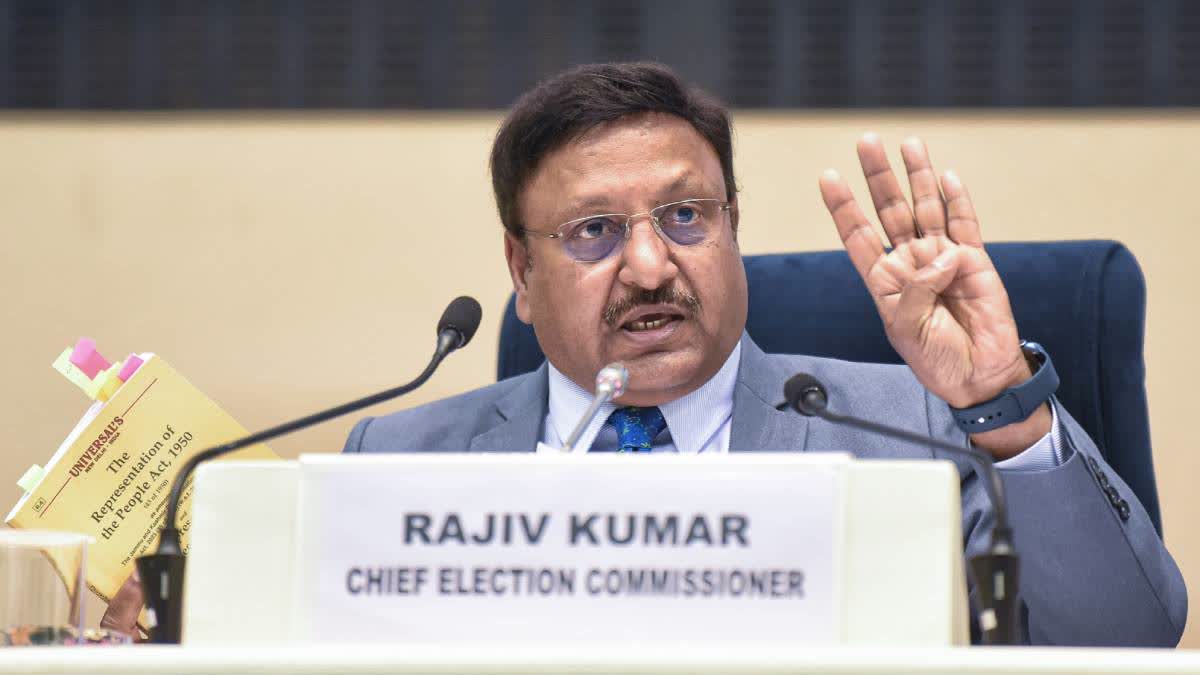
652	324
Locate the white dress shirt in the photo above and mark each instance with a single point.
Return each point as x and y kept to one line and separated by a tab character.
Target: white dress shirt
700	421
697	422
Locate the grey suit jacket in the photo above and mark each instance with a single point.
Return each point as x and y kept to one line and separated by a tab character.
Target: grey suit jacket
1088	577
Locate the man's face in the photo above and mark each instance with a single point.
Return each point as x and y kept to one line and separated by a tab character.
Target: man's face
671	313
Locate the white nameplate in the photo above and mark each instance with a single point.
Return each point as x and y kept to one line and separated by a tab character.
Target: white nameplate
526	548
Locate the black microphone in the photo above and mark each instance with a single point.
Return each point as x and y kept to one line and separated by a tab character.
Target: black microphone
162	572
996	572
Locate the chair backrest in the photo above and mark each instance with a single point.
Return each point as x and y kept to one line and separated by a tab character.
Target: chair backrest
1084	301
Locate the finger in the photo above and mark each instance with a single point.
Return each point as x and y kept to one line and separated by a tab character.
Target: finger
859	238
928	207
890	202
961	222
920	294
123	609
926	249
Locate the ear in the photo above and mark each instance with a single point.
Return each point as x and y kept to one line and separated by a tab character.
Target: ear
517	255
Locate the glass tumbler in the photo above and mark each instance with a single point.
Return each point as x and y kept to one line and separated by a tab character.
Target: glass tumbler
41	587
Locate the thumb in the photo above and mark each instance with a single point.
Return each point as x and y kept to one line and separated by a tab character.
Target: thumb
920	294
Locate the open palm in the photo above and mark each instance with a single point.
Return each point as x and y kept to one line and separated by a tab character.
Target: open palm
943	305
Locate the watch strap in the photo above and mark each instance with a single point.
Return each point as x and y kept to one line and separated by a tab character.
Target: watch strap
1014	404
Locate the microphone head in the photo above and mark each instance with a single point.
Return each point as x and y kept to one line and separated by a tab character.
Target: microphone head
805	394
613	378
462	316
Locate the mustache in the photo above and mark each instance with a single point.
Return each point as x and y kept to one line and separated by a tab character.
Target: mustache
668	295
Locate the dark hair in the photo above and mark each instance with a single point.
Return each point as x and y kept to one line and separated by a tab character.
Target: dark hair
568	105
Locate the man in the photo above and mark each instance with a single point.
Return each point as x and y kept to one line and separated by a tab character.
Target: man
615	186
664	292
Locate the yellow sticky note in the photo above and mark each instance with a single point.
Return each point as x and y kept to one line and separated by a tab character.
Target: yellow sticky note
108	381
72	372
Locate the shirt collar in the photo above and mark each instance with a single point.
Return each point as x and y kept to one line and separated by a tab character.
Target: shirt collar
692	420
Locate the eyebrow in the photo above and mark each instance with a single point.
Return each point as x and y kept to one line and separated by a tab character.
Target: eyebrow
599	202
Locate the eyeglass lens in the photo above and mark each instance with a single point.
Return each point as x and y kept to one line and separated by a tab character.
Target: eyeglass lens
686	223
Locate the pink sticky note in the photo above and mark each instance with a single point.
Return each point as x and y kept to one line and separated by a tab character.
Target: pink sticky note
131	365
87	359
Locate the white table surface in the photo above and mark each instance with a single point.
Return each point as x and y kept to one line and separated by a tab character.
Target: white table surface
592	660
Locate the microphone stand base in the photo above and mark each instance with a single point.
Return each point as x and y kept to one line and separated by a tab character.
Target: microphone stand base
996	577
162	588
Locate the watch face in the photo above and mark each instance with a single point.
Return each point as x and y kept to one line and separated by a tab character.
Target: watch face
1035	356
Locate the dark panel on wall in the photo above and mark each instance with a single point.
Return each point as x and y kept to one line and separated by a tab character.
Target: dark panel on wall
238	54
828	51
1184	65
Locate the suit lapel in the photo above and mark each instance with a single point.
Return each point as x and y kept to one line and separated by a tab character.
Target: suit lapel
757	423
518	417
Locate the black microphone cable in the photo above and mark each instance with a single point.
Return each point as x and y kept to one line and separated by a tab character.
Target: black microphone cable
997	571
162	572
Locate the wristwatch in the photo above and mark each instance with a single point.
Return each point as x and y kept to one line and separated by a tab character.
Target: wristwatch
1014	404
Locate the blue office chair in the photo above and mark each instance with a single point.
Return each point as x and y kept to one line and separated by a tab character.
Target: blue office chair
1084	301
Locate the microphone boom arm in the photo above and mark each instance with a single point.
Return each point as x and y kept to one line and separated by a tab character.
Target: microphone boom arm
996	571
287	428
991	477
582	426
162	572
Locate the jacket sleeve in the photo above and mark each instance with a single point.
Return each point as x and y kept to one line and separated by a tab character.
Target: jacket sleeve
355	440
1093	571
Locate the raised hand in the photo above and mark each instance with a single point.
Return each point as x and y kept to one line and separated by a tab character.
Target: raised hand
943	305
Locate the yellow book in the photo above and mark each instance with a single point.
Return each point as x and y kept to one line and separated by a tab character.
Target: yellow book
111	478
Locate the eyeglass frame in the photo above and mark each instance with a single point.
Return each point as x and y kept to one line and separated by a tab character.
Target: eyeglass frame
723	206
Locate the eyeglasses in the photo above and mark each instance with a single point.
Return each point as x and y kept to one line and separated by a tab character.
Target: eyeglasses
594	238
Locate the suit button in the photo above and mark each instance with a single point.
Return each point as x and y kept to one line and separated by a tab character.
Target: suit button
1103	478
1113	495
1123	509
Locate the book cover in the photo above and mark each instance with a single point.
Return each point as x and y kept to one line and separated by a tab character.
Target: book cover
111	478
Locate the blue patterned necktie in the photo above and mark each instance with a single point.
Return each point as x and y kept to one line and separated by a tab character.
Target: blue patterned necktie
636	428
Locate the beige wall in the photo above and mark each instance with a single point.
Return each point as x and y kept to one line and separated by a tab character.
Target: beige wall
288	263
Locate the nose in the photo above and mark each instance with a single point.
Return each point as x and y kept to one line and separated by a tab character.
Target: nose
646	259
